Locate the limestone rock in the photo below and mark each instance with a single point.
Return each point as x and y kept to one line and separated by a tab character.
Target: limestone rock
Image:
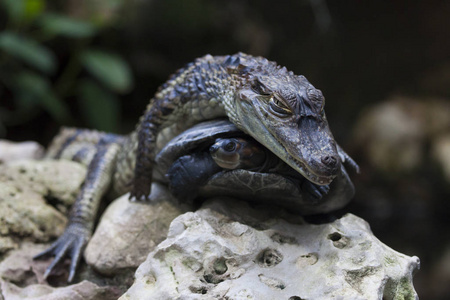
20	268
129	231
10	151
227	250
24	211
84	290
59	180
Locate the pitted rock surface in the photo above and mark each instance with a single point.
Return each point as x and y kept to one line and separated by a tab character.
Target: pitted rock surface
227	250
25	187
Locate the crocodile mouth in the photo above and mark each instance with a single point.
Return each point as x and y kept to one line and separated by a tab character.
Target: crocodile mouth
305	171
317	179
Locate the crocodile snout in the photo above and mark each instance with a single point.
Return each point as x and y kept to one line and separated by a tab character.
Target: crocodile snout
330	161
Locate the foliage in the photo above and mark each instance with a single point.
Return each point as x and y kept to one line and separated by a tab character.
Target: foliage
50	60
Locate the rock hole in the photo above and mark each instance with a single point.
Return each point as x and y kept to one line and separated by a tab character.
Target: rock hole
211	278
273	283
220	266
269	258
296	298
339	241
198	289
307	260
335	236
282	239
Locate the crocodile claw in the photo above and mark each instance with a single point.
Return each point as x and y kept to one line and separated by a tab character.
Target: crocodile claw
71	244
314	190
347	160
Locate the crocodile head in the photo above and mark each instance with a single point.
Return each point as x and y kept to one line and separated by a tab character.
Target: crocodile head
285	113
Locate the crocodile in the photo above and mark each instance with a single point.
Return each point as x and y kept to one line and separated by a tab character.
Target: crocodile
281	110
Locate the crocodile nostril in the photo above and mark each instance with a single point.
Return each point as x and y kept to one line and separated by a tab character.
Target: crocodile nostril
329	160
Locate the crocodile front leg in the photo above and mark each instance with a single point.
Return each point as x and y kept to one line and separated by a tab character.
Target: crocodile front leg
84	210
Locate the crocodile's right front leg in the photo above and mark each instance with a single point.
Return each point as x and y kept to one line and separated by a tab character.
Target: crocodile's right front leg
84	210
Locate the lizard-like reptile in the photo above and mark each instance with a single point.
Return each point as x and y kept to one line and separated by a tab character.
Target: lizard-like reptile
279	109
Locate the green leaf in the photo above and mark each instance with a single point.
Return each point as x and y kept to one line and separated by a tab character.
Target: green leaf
28	51
70	27
37	88
33	8
100	107
110	69
14	8
23	10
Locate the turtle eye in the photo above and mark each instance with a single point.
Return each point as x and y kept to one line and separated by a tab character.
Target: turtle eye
279	107
230	146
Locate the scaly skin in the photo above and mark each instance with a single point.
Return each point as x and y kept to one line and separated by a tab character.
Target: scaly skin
282	111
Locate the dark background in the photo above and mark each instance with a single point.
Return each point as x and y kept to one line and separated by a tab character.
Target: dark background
358	53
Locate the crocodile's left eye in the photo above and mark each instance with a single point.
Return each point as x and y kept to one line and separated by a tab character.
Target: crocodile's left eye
279	107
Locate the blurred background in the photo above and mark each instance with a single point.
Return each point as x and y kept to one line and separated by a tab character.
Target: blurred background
383	66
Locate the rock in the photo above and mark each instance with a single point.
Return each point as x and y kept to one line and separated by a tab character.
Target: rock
441	153
24	188
20	268
10	151
128	231
394	134
227	250
84	290
56	180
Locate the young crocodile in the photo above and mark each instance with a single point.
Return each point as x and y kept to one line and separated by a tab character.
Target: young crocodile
282	111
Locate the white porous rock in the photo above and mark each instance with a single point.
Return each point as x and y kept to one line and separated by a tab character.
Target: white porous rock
128	231
10	151
227	250
25	213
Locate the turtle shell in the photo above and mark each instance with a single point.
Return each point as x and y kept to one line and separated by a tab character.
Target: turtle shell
268	188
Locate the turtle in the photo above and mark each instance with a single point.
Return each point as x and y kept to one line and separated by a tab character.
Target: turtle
215	158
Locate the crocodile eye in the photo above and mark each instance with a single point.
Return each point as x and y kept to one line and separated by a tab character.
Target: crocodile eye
230	147
279	108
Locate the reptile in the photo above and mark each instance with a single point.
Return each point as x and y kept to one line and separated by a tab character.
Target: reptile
281	110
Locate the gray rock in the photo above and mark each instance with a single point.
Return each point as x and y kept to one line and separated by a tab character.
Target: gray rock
10	151
227	250
84	290
24	211
129	231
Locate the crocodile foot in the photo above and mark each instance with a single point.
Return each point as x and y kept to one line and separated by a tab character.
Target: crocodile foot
314	190
71	244
347	160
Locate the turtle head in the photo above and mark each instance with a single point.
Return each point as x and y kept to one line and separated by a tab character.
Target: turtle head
285	113
237	153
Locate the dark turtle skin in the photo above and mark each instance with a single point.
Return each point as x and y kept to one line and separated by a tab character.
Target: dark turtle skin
206	163
247	154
